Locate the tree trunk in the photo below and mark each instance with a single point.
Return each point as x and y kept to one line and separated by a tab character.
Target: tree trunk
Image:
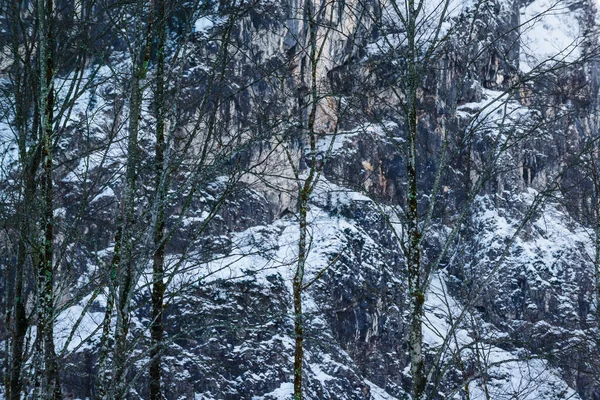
158	285
415	286
19	330
304	196
107	340
19	317
297	288
597	271
45	276
596	210
126	271
30	162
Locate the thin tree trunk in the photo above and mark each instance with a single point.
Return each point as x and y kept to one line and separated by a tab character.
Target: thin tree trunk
124	277
597	271
158	285
20	328
297	289
8	295
107	340
46	264
415	286
596	186
304	196
30	162
126	273
19	314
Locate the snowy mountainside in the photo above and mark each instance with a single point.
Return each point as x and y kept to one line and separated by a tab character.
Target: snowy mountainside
506	117
232	331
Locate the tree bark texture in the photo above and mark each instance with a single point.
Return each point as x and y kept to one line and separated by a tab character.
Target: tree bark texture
158	285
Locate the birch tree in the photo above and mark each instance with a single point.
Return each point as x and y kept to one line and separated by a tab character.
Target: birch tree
158	259
50	386
320	111
304	194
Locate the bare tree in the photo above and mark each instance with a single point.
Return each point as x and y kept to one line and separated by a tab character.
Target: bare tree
50	385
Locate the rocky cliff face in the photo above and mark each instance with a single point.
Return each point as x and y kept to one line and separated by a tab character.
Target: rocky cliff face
510	306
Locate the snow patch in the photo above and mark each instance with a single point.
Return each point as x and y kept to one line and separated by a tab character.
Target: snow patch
203	24
550	33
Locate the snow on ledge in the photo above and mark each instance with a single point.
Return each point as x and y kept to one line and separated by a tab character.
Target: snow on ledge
550	31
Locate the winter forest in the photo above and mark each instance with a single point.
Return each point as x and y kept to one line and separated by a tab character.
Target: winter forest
300	199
